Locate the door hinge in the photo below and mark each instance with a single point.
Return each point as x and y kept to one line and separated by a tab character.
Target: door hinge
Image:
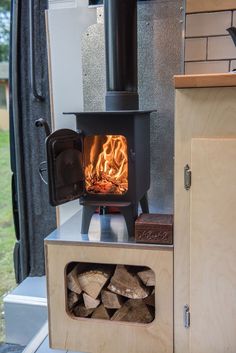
186	316
187	177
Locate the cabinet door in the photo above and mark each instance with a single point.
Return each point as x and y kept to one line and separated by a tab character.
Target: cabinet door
213	246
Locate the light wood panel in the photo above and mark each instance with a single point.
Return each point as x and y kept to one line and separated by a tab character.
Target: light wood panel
205	80
99	336
213	246
209	5
200	112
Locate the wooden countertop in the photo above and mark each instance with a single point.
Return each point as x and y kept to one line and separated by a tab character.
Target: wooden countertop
205	80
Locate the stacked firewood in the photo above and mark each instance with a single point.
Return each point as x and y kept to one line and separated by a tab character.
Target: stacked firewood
116	293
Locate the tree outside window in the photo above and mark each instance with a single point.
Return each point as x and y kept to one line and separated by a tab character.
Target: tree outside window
5	6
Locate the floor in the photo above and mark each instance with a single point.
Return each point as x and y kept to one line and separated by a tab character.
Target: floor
6	348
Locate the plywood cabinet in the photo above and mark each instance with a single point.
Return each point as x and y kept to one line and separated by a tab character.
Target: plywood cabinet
106	336
205	220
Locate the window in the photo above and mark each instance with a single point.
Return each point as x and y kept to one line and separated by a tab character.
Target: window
3	99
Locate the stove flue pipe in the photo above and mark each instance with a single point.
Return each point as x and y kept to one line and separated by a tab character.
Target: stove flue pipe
120	17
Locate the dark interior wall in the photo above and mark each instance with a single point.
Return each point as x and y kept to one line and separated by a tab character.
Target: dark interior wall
36	217
160	56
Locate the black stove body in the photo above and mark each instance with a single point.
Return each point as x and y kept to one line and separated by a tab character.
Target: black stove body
106	162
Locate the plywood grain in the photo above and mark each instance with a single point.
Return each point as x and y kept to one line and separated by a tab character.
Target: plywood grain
100	336
193	6
207	113
213	246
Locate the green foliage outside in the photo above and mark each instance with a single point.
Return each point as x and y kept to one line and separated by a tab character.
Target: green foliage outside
7	237
5	6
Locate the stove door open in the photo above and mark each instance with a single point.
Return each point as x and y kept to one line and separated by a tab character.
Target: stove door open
65	166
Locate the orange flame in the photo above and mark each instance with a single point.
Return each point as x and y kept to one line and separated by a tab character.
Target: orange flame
107	173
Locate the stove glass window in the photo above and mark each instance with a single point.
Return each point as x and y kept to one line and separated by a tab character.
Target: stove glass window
106	164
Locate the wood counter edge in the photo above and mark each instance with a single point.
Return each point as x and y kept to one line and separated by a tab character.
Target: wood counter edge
205	80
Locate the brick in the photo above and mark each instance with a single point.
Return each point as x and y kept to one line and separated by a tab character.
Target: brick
206	67
233	65
208	24
209	5
221	48
195	49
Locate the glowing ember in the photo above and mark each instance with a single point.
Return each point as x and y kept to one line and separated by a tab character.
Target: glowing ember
107	172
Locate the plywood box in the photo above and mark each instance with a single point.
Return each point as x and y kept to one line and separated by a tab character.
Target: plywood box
104	336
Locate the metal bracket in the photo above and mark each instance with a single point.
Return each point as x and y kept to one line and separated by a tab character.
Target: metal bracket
186	316
42	169
187	177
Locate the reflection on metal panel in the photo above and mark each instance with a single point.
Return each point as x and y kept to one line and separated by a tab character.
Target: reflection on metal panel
64	45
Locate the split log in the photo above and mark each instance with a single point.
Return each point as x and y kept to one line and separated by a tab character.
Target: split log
81	311
89	302
72	299
72	281
111	300
147	277
133	311
101	313
150	300
127	284
92	282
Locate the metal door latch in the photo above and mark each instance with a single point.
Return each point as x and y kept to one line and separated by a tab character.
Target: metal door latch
187	177
186	316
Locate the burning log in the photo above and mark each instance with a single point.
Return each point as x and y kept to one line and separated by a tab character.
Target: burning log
107	172
111	300
133	311
127	284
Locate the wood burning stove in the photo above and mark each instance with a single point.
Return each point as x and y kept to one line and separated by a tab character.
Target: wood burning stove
106	162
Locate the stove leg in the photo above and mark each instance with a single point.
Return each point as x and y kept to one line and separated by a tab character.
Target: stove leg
130	214
144	204
87	215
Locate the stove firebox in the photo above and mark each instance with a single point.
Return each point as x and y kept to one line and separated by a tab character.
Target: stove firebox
106	162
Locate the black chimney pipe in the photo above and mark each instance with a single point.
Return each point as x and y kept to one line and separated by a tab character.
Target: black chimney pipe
120	17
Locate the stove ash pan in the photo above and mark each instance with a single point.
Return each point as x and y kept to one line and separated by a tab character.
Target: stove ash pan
106	162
